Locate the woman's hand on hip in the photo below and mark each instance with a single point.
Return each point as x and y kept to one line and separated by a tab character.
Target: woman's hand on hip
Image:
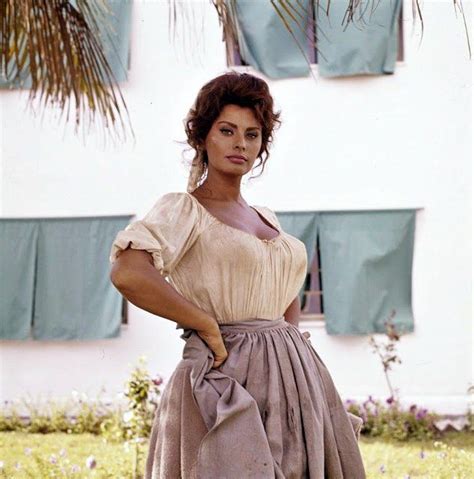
213	338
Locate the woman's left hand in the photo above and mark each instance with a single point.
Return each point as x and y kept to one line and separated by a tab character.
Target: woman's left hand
307	334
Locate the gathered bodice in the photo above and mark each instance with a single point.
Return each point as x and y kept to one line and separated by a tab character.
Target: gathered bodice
228	272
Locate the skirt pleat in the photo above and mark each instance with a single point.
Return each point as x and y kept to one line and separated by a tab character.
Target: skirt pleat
271	410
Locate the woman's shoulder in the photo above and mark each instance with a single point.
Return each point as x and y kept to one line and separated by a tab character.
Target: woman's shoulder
175	205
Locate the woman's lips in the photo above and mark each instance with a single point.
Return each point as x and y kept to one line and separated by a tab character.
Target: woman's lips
236	159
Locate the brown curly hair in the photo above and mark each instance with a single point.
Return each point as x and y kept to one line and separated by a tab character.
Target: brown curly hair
233	88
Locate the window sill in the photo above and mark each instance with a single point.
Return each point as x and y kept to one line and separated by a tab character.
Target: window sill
314	68
312	321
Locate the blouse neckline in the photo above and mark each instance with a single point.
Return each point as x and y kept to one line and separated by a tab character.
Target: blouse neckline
255	208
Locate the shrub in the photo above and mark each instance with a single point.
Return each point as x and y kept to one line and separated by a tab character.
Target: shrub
391	420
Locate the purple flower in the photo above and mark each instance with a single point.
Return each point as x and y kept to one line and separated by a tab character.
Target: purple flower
389	400
422	454
413	408
382	469
53	459
75	468
157	381
421	414
27	451
91	463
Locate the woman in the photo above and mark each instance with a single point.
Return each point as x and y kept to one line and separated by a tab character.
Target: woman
251	398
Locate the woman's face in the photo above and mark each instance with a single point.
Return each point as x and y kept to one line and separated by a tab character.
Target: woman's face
234	141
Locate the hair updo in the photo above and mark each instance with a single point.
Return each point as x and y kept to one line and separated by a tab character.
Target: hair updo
233	88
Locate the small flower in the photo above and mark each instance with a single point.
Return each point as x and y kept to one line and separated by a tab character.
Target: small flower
17	466
62	452
412	408
422	454
53	459
406	476
91	462
421	414
389	400
382	469
127	416
27	451
157	381
75	468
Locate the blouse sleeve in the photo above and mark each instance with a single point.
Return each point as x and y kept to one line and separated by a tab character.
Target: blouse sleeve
167	231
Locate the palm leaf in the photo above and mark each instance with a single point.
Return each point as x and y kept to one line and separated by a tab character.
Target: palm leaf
57	45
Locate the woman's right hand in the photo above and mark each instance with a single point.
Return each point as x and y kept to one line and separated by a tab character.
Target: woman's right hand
213	338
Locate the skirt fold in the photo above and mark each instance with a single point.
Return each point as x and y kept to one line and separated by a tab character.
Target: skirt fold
271	410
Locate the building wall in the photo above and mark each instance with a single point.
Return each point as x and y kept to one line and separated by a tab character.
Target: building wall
395	141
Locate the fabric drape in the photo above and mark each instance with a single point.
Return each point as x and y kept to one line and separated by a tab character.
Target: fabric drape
271	410
18	240
366	266
264	41
368	45
74	298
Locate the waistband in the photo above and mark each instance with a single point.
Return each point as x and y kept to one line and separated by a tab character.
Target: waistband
255	324
247	326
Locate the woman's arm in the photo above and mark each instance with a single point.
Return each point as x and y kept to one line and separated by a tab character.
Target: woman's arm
135	276
292	313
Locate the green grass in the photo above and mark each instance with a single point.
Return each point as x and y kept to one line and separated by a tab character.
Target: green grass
448	458
451	457
113	460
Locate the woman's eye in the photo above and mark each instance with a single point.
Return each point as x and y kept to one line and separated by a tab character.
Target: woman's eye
225	130
253	135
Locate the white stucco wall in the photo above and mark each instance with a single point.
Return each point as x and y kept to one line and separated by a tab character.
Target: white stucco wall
398	141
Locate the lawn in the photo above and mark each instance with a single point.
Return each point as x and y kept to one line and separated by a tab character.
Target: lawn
46	455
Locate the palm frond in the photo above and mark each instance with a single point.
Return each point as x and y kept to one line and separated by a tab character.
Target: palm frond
57	46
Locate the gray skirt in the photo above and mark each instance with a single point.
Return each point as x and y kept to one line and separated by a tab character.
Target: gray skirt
271	410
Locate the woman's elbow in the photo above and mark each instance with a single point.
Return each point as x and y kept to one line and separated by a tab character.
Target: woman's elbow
123	273
119	276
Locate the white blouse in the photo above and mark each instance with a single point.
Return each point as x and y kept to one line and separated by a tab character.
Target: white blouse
229	273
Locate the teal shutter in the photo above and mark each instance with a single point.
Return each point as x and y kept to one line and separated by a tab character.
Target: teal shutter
115	40
74	298
18	239
264	41
366	46
366	263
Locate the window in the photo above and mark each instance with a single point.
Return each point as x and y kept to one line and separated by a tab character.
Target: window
234	57
124	311
312	305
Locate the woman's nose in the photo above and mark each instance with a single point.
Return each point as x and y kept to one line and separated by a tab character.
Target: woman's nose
239	141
